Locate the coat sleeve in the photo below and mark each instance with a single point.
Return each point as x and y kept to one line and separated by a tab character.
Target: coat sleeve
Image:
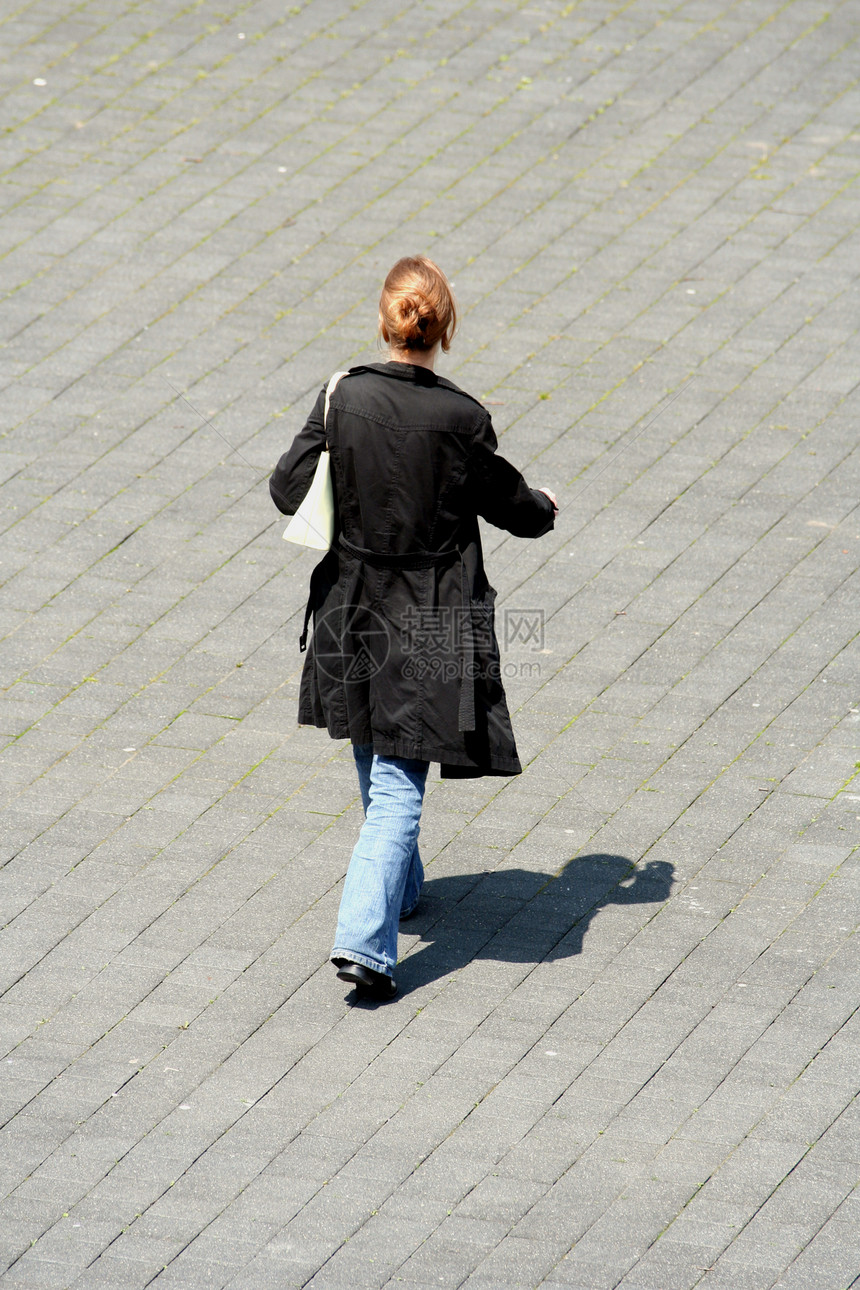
293	474
501	495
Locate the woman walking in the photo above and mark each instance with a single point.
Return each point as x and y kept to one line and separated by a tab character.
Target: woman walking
403	660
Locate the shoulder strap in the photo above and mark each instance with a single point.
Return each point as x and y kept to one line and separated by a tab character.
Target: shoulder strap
449	385
329	391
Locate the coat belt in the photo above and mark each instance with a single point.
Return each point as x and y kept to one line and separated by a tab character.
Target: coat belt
409	560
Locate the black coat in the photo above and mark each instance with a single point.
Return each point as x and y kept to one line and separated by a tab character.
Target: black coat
404	654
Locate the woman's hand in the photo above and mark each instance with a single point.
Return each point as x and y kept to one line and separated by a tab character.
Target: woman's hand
552	497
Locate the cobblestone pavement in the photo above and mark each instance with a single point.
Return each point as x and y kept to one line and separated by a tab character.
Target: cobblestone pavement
625	1048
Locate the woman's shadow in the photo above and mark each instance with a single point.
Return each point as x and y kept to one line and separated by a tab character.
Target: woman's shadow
519	915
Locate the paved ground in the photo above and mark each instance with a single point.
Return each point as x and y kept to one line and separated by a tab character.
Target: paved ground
625	1051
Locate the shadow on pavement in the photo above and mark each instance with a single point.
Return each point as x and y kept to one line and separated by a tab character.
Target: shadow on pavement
522	916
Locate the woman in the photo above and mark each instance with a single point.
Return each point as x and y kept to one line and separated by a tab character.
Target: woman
404	660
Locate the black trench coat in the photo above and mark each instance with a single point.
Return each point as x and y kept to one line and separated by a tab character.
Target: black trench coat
404	654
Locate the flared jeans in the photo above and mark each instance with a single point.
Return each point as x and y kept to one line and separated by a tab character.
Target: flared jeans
383	881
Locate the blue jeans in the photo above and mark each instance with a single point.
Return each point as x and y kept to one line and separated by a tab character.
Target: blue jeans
383	881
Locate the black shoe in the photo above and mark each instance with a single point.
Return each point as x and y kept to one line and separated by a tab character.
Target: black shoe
366	980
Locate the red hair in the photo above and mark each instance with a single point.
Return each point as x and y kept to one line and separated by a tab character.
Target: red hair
416	308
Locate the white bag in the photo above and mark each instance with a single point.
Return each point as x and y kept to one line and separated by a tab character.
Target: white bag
313	523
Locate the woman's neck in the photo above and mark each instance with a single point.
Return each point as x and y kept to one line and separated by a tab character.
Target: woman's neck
416	357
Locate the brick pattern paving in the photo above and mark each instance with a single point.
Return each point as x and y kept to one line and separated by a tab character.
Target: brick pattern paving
624	1053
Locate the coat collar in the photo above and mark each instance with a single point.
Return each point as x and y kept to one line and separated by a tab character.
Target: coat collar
415	376
410	372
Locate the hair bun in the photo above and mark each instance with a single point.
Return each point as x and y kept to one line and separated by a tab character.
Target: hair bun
416	317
